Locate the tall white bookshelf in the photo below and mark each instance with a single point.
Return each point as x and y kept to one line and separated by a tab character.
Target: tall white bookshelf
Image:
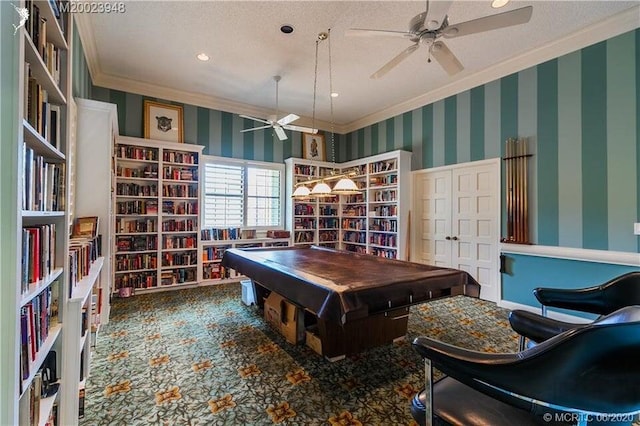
373	222
157	215
40	83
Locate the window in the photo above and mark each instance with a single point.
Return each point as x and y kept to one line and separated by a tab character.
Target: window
240	193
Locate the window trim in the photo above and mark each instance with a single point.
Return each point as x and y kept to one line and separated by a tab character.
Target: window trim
212	159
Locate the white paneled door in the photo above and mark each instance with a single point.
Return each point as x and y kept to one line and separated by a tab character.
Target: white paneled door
457	218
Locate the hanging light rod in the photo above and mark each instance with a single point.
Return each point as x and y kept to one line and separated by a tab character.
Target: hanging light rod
349	174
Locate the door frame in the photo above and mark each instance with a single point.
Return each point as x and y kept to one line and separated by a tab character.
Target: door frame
497	165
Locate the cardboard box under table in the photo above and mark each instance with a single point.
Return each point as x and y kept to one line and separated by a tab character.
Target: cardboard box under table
285	317
357	301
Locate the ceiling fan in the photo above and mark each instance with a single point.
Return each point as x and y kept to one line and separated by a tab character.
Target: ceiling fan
427	27
278	126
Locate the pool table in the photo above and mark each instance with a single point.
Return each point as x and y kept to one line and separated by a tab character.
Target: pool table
358	300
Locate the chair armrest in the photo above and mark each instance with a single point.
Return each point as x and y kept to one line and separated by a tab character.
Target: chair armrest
585	300
536	327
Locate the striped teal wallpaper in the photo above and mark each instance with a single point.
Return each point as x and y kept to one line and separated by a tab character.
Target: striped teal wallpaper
80	71
217	131
579	113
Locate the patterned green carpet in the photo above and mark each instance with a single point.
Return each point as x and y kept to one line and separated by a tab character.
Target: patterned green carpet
201	357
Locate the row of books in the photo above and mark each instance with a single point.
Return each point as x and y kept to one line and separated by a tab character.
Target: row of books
43	116
178	276
215	271
43	183
135	225
137	207
147	172
180	157
180	259
82	253
36	319
180	173
213	253
382	166
133	189
137	153
38	253
180	191
30	402
215	234
137	280
136	242
134	262
176	242
180	207
179	225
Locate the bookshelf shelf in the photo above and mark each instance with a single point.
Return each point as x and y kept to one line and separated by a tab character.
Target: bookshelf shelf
40	145
83	289
55	34
41	214
37	287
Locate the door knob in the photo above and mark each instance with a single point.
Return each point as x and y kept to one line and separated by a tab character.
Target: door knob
447	237
454	238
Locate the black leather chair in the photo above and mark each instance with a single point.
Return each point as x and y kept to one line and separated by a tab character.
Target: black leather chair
601	300
567	379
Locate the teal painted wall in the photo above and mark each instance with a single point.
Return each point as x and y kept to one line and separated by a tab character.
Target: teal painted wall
579	113
529	272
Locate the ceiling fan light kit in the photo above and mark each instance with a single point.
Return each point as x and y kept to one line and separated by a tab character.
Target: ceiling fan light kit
427	27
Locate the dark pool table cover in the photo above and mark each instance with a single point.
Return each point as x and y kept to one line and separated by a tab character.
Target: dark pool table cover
341	286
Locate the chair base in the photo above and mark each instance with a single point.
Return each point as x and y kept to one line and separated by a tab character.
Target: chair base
458	404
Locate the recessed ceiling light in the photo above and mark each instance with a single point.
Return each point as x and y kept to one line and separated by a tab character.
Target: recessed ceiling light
287	29
335	94
203	57
498	3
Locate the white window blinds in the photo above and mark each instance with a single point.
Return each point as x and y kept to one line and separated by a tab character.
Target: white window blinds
263	197
224	195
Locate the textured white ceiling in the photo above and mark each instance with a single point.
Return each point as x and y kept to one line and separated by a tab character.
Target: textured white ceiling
157	42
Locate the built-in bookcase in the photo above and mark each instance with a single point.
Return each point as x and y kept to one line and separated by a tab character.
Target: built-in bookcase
372	222
47	274
156	206
313	220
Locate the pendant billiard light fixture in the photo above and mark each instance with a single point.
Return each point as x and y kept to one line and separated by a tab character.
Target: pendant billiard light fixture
321	188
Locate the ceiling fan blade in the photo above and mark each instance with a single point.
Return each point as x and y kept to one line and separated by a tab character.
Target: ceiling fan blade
487	23
395	61
280	133
362	32
417	22
255	119
436	14
288	119
255	128
301	129
446	58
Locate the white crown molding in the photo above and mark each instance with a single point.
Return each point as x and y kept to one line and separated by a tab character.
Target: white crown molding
618	24
570	253
611	27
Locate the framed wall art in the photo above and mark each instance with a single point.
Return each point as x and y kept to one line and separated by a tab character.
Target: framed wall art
163	122
313	147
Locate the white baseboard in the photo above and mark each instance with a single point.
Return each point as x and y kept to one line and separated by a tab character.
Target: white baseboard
536	309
